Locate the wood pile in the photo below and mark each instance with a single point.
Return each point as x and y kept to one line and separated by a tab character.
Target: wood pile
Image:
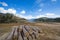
23	32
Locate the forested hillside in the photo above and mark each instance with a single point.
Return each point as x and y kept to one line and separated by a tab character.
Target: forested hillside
9	18
44	19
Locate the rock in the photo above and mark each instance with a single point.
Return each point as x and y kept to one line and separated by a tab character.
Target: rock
23	33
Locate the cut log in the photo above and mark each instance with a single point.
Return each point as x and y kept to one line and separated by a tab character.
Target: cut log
23	32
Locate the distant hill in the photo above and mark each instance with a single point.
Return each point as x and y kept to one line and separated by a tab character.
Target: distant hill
45	19
9	18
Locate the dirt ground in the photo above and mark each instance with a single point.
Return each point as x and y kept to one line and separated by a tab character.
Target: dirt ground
49	31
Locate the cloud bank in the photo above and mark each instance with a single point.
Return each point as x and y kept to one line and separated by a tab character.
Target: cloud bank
13	11
23	12
10	10
3	4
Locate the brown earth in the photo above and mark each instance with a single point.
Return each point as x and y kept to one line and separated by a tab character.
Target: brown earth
49	31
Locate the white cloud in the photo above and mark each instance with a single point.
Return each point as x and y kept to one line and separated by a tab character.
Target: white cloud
4	4
23	12
40	10
49	15
11	11
2	10
52	15
53	0
26	17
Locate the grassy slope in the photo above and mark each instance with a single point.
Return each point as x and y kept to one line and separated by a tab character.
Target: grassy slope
50	31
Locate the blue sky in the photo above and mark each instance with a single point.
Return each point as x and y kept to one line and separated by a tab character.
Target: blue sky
31	8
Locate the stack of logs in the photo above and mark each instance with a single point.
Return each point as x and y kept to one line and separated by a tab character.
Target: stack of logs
23	32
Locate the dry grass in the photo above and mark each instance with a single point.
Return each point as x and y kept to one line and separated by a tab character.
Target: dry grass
50	31
6	27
